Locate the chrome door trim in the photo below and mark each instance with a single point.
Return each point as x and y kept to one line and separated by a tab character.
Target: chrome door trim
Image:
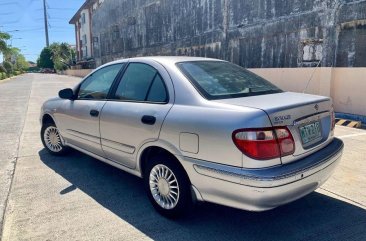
83	136
118	146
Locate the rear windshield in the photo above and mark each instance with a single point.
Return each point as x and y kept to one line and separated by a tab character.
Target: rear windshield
222	80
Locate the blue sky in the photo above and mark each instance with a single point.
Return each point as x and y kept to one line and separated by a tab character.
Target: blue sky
27	17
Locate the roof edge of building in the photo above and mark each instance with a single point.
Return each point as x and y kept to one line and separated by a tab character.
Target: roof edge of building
86	4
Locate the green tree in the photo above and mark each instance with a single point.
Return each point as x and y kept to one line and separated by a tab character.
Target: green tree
3	38
45	59
57	55
21	63
11	53
14	56
61	55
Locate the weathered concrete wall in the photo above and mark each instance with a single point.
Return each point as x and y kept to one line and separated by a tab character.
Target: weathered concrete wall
348	90
346	86
78	72
299	79
252	33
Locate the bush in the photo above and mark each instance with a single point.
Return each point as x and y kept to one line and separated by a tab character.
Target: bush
2	75
2	69
8	67
17	72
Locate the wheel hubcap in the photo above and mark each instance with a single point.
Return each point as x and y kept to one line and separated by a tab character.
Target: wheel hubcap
164	186
52	139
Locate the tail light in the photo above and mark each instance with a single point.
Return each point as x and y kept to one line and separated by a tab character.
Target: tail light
266	143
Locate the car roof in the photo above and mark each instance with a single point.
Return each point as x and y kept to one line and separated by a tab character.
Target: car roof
165	59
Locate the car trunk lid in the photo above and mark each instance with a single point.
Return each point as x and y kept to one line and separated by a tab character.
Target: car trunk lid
308	117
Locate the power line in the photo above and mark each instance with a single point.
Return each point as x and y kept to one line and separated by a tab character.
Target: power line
6	13
62	9
32	30
68	9
24	30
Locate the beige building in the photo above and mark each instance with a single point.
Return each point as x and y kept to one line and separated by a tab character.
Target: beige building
83	30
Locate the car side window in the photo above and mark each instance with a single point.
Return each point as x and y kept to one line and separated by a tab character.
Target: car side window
141	82
97	85
157	91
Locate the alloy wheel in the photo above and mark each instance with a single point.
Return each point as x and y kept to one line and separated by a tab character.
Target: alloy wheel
164	186
52	139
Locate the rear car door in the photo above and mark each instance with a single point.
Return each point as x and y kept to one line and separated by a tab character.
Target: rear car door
134	117
78	119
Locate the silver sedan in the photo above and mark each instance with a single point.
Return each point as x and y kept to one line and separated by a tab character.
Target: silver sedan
197	129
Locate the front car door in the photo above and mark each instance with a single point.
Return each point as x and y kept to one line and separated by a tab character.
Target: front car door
135	115
78	120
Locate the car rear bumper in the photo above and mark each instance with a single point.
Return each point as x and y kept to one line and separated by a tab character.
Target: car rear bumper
262	189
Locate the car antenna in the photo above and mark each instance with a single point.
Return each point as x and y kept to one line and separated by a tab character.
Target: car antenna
312	75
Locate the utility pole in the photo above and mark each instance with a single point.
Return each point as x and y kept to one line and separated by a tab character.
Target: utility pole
46	22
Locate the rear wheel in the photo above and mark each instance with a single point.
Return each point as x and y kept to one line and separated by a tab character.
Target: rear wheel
167	186
52	139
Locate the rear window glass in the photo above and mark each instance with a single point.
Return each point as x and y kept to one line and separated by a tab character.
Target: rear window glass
220	80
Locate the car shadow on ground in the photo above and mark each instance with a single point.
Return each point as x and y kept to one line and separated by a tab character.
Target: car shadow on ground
314	217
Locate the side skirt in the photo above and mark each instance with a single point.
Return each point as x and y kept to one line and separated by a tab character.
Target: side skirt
112	163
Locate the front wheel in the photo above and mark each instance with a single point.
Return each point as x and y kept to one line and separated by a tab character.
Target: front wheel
52	140
168	186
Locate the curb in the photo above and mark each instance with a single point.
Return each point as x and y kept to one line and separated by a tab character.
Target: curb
5	80
348	123
10	78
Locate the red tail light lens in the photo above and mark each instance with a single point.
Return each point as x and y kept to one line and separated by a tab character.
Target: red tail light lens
264	144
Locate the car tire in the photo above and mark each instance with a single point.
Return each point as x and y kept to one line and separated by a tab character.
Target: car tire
167	186
52	140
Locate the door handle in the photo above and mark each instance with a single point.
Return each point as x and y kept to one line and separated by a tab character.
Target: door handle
148	119
94	113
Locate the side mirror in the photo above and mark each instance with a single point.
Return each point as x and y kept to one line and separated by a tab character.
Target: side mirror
67	94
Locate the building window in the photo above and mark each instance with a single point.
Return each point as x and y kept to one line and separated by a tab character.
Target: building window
95	42
85	52
84	39
83	18
115	33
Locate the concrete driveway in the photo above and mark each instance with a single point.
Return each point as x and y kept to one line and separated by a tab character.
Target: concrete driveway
79	198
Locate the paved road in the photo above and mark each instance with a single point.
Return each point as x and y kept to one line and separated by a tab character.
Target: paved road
79	198
14	97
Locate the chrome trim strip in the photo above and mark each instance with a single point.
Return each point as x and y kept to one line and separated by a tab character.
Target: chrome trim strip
308	119
274	176
84	136
118	146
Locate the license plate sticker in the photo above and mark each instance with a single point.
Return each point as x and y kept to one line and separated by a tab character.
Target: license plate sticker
310	133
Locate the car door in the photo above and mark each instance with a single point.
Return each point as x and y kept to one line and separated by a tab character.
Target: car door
140	104
78	120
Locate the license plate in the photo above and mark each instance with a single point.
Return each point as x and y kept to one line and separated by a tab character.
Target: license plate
310	133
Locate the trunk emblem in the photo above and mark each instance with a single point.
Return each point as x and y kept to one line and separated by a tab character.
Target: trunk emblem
281	119
316	107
